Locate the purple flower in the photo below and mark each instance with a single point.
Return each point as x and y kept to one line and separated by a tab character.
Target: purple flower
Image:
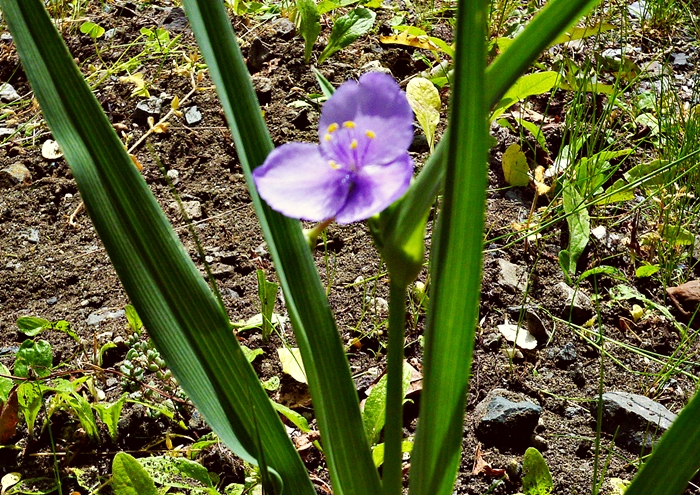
362	164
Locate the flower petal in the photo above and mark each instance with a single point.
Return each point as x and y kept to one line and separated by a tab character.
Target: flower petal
299	183
375	100
375	188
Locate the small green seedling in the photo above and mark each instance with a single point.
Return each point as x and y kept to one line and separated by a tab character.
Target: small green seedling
347	29
31	326
91	29
424	99
537	479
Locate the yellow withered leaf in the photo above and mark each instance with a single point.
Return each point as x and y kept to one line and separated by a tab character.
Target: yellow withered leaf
515	167
424	99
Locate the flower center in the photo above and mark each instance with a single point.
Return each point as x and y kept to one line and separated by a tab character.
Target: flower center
347	145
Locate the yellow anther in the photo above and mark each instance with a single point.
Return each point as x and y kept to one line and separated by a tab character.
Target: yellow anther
333	165
349	124
333	127
370	134
327	137
353	144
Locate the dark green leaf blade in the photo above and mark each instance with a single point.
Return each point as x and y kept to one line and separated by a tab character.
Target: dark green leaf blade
184	319
455	266
332	390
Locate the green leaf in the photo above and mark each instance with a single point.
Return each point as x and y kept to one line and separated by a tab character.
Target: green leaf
424	99
647	271
297	419
536	477
29	396
31	326
184	319
347	29
133	318
536	132
611	271
577	33
82	409
267	293
326	87
6	384
292	363
130	478
170	471
110	413
579	224
309	25
349	460
526	86
251	354
515	168
256	321
34	357
34	486
378	451
457	242
374	413
91	29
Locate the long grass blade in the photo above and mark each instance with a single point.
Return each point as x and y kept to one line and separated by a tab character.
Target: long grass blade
455	266
332	390
189	327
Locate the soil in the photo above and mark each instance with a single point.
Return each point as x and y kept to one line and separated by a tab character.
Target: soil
51	269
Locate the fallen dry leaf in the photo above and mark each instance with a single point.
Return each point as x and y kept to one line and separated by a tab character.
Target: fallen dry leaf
483	467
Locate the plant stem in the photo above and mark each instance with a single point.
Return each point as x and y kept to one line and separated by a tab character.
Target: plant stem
393	427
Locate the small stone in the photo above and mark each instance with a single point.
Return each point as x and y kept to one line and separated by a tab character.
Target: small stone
539	443
176	20
15	174
532	321
13	349
6	38
147	108
257	54
506	419
33	236
492	340
193	116
263	88
567	356
102	315
514	469
110	33
512	276
193	209
8	93
679	58
419	143
574	303
261	250
377	305
637	419
284	28
572	412
173	175
52	300
6	132
375	66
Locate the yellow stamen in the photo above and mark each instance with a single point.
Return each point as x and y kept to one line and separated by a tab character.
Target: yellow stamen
353	144
349	124
327	137
370	134
333	165
333	127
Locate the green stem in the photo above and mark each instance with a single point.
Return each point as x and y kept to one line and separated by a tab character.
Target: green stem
393	428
